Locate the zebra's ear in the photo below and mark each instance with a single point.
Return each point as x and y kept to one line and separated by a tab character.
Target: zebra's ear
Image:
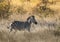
32	16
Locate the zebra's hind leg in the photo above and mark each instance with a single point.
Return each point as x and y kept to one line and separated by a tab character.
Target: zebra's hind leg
15	31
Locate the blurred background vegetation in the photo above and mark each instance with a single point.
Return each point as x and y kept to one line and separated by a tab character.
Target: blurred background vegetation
39	7
4	8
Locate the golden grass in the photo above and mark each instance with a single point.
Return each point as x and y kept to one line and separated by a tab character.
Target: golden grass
37	34
20	36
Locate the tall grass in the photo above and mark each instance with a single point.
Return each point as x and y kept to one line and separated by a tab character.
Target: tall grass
45	36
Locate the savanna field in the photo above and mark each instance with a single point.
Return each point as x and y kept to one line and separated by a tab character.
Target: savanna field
47	15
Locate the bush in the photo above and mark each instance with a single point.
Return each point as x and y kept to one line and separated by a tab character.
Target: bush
57	31
21	10
4	8
44	9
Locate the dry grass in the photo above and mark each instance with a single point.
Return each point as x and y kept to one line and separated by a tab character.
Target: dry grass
39	33
20	36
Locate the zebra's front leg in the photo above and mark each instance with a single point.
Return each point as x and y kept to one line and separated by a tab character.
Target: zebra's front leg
28	29
11	30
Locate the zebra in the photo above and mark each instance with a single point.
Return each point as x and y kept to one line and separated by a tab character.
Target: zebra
19	25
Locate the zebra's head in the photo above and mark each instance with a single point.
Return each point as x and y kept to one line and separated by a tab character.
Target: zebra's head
31	19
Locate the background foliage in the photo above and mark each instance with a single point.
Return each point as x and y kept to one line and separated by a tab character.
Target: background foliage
4	8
